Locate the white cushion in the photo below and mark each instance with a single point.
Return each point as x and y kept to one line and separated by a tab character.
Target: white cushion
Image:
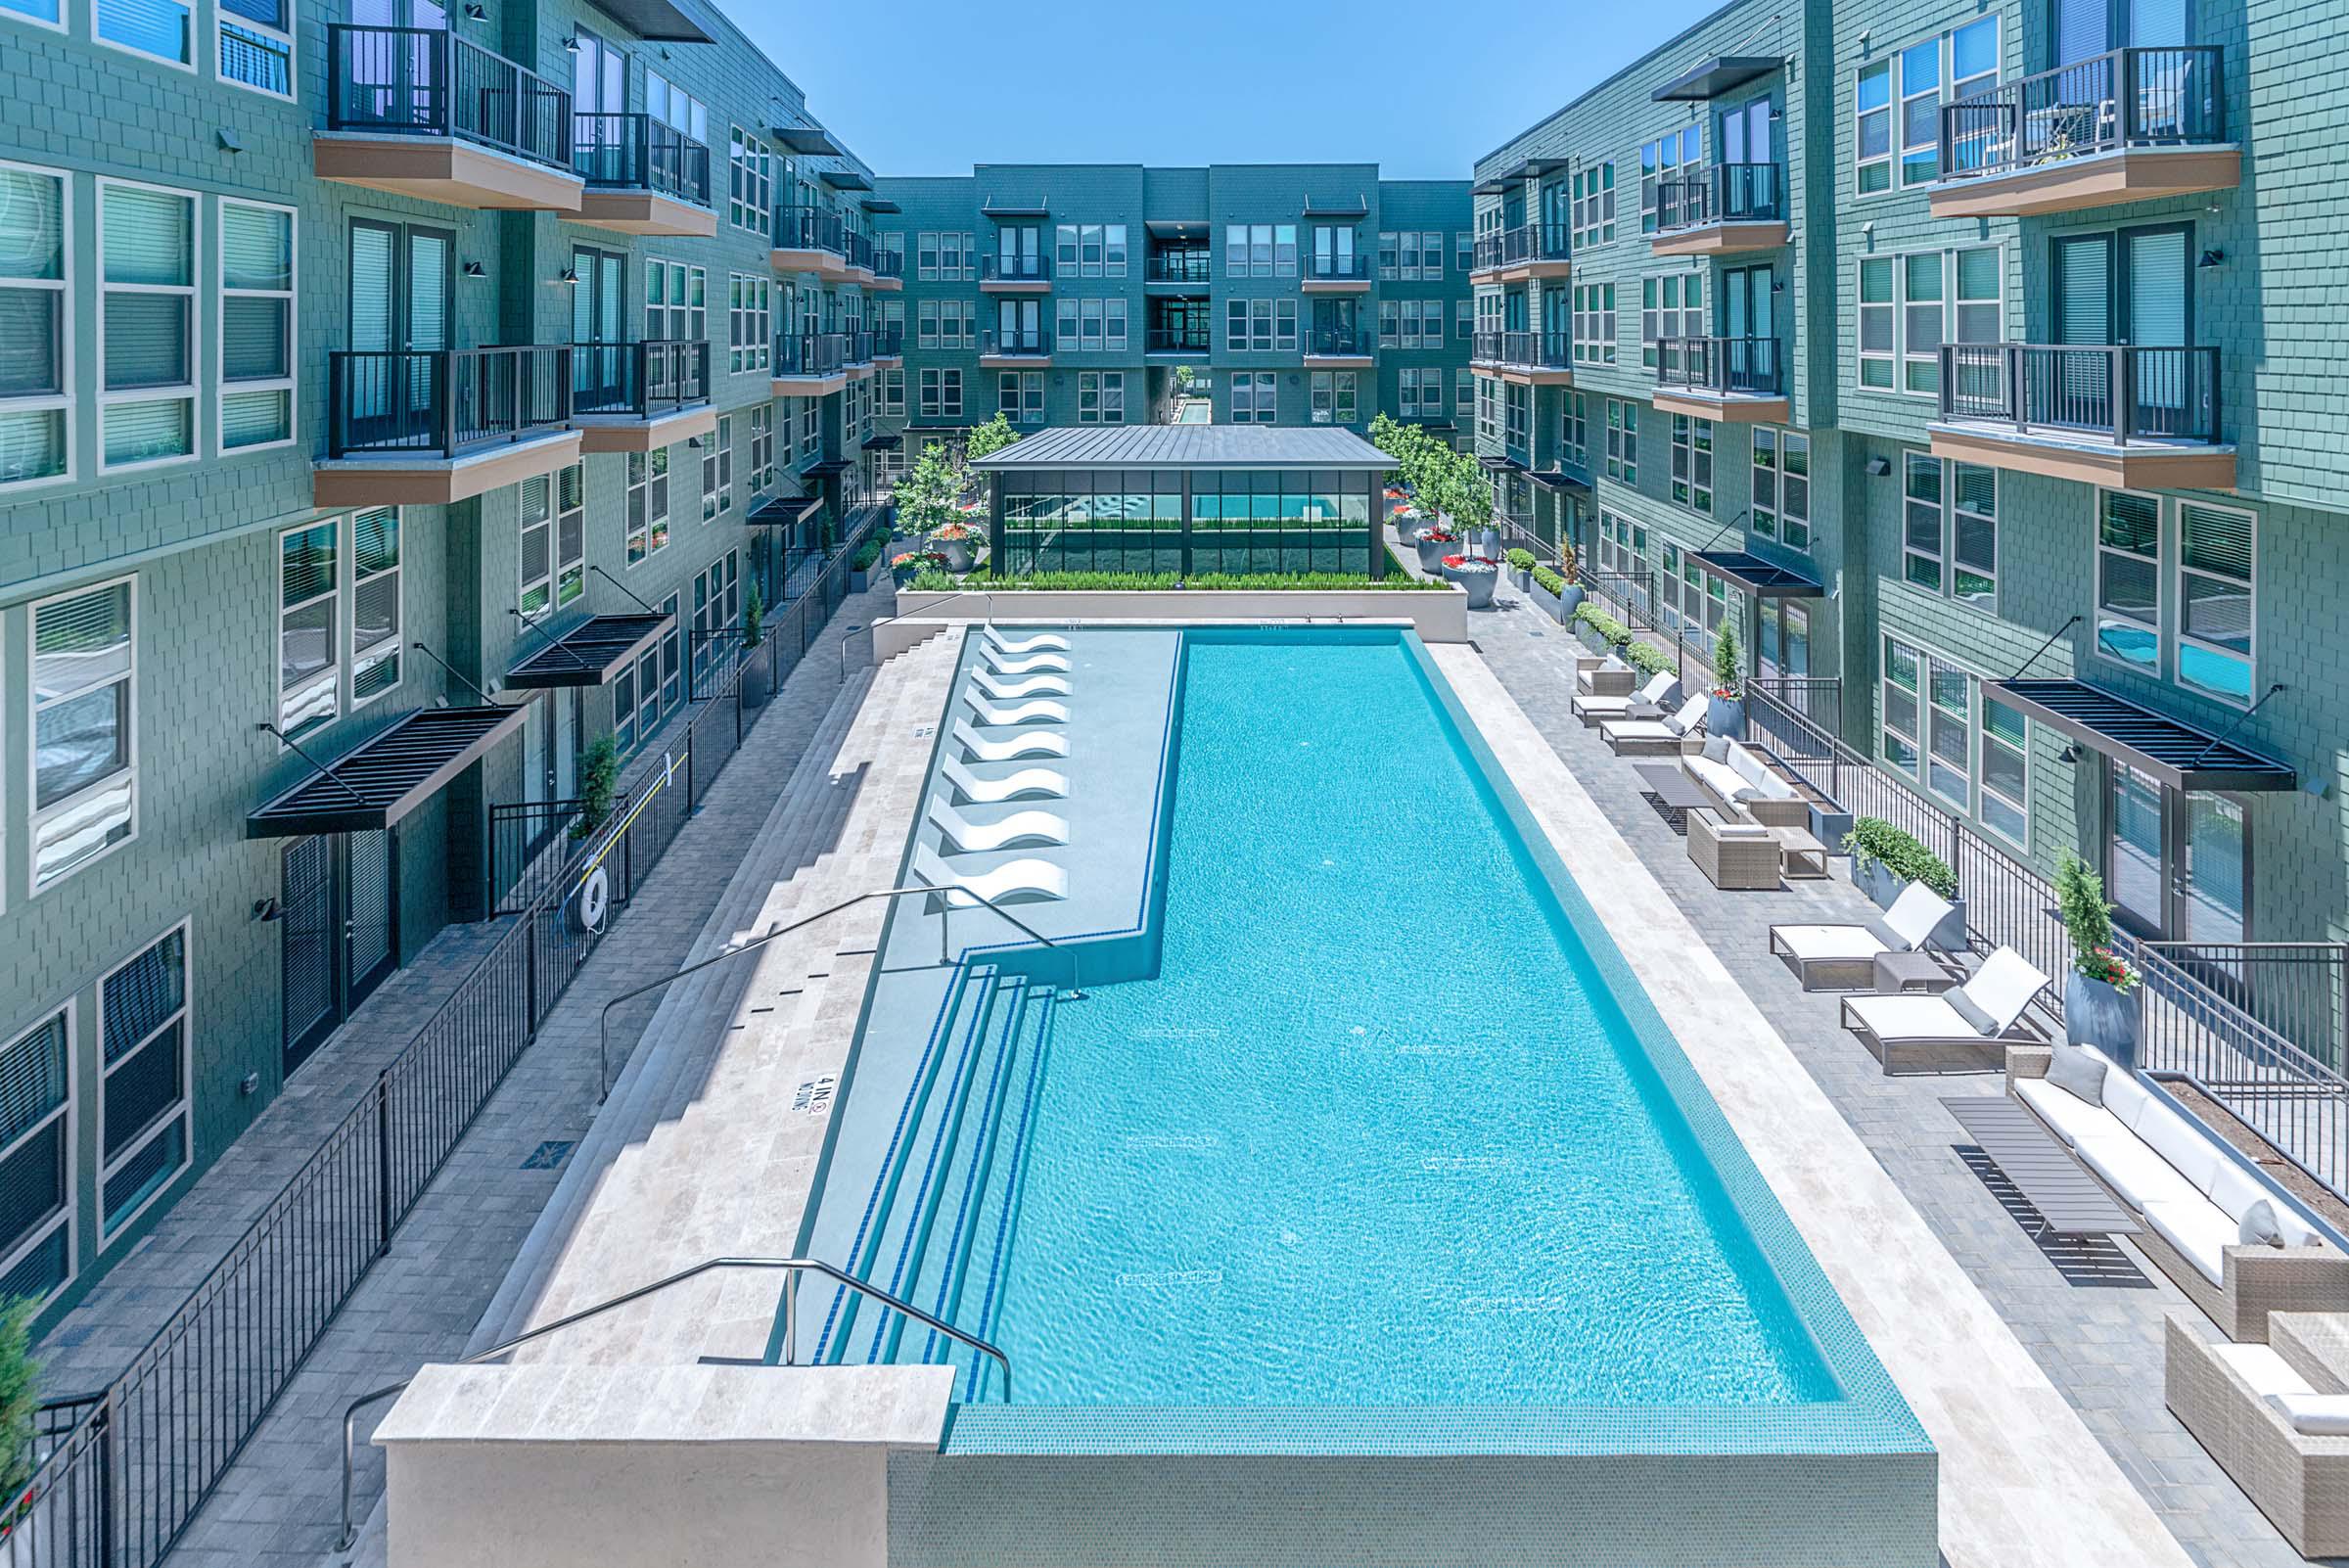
1718	777
1915	912
1690	716
2234	1189
2136	1171
1777	788
1747	765
1831	942
1619	730
2003	988
2196	1229
2124	1096
2315	1414
1741	830
1662	689
2181	1142
2071	1117
2260	1367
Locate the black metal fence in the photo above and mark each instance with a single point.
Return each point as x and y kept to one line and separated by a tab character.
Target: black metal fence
1726	193
2129	97
1527	243
122	1473
639	153
442	401
1748	366
811	228
2121	391
410	80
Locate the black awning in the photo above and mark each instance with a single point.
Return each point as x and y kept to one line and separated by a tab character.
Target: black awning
1741	569
829	467
999	211
1557	478
388	775
783	511
808	141
1723	75
879	204
1431	423
1497	185
883	442
1336	208
844	179
590	653
653	20
1497	463
2173	750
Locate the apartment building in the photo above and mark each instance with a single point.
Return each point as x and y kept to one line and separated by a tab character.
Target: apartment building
399	398
1952	350
1282	293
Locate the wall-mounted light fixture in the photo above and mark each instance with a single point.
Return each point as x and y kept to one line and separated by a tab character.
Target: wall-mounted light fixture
477	12
1879	467
568	275
230	141
2211	258
571	44
2069	756
473	269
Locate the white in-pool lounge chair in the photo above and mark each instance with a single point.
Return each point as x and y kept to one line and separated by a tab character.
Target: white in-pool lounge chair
1844	958
1001	664
1663	690
1965	1029
1653	737
1006	884
1038	643
1039	711
1042	782
1029	686
964	836
977	747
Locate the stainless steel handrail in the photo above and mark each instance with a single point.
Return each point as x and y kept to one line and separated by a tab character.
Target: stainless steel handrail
793	1266
603	1044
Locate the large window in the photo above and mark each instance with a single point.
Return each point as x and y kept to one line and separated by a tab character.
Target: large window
84	729
375	604
1668	157
1090	250
1623	440
1260	250
309	640
163	29
1928	725
2128	580
762	438
1692	463
256	45
1911	305
1670	306
1254	396
1101	397
554	540
36	1165
748	307
143	1115
2216	547
148	326
1333	396
1020	397
1594	323
1781	505
675	301
257	325
647	503
2006	772
1921	551
750	182
718	470
1593	204
35	411
1897	106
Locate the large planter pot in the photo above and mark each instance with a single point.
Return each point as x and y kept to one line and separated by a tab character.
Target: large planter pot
1592	639
755	690
1432	553
1725	716
1407	527
859	579
1478	582
959	553
1522	579
2097	1013
1484	543
1543	599
1570	601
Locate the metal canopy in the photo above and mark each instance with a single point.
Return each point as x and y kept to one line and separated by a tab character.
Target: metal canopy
1556	478
1216	447
1499	463
1497	185
388	775
810	141
1723	73
879	204
653	20
2175	753
999	211
883	442
1741	569
828	467
1337	207
589	653
844	179
783	511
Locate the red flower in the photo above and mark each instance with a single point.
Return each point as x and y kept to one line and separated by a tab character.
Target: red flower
1456	560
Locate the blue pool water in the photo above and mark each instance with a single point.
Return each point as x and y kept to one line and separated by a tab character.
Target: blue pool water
1377	1134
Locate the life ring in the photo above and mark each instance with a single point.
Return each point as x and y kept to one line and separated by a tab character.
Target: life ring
592	902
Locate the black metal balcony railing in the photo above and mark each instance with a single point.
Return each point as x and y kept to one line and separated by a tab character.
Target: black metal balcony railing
639	153
1337	268
427	82
811	228
1528	242
1176	340
1730	366
1530	351
2129	97
887	264
647	377
2120	391
860	249
857	348
810	353
1180	266
1337	342
1015	269
889	341
442	401
1726	193
1020	340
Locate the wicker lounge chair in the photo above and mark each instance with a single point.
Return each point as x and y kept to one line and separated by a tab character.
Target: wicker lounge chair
1655	737
1965	1029
1844	958
2247	1405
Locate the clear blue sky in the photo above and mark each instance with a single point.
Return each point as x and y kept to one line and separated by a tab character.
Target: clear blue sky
930	86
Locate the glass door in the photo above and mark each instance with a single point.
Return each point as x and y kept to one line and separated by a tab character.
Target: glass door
598	331
2080	392
2216	887
2155	307
2134	877
399	309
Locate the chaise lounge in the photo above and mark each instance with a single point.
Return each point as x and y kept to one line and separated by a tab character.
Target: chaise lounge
1963	1028
964	836
1844	958
2276	1417
1037	781
977	747
1036	879
1655	737
1042	641
1661	691
1026	686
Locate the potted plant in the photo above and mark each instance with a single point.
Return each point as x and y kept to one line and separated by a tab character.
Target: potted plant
599	783
867	557
1471	506
1885	859
1521	569
959	545
755	669
1570	571
1435	542
1547	591
1475	574
2098	1007
1724	712
20	1406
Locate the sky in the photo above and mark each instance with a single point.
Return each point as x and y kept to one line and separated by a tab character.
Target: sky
930	86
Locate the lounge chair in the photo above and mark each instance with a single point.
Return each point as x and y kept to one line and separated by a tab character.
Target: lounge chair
1036	781
1969	1025
1036	879
964	836
1027	686
977	747
1040	643
1844	958
1655	737
1001	664
1662	690
1039	711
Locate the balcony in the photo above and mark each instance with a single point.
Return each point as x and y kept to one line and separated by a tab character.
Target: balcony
1727	209
419	112
810	364
431	427
1026	348
889	271
1338	348
1528	358
2133	125
1190	341
1015	274
888	343
1519	254
1734	380
643	177
1334	274
861	254
634	396
811	239
856	353
2111	414
1188	269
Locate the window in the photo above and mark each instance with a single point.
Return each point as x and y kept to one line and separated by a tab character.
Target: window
1260	250
762	438
1593	204
257	325
1101	397
1922	77
1253	397
925	255
554	540
2006	772
1463	392
1921	526
748	300
1389	254
1782	506
1573	427
375	604
163	29
1876	326
2129	580
1693	462
1517	428
36	410
49	13
1949	730
1871	134
1464	318
309	643
148	327
674	107
1911	305
1974	534
1113	329
1463	251
941	394
811	422
893	392
1668	157
1901	708
1020	395
1333	397
676	302
84	729
647	503
1623	440
718	470
1922	317
750	182
1260	326
1594	323
36	1165
2216	548
1390	323
143	1106
256	45
1487	409
1669	307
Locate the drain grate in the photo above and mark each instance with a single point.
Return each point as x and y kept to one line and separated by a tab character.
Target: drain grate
550	1154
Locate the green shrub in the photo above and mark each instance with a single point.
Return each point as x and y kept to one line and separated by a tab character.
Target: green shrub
1549	581
599	782
1522	560
933	579
19	1400
754	616
1874	839
869	551
2088	921
1649	659
1609	629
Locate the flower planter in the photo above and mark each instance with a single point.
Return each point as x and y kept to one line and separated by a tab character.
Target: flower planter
859	579
1883	887
2098	1013
1522	579
960	554
1725	716
1569	601
1407	526
754	678
1432	553
1543	599
1477	580
1592	639
1484	543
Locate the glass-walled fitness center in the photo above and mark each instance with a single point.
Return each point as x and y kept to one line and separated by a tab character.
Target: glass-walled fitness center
1206	504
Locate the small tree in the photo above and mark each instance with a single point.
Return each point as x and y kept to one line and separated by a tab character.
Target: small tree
1570	566
1183	379
599	784
754	615
929	491
992	437
1726	657
1471	490
2088	921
